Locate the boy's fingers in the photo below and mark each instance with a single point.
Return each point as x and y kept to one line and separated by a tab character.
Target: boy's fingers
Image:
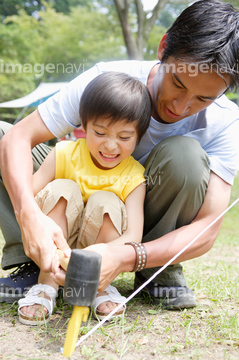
59	277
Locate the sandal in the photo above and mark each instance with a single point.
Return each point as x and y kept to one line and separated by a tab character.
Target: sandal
112	295
31	298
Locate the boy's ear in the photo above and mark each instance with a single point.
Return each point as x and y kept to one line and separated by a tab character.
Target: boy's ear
162	46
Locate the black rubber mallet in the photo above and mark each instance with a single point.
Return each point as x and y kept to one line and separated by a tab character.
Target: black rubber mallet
80	290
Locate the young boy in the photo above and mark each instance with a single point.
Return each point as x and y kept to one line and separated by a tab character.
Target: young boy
92	188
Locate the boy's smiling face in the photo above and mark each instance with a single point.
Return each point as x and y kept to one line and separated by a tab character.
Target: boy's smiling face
110	143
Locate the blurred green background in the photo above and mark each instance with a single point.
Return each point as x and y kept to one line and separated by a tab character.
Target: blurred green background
51	41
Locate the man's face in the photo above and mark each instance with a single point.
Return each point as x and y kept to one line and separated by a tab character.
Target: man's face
181	89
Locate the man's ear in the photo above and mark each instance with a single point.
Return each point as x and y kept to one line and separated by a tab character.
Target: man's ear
162	46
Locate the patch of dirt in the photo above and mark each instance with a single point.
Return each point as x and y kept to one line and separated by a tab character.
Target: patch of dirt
147	333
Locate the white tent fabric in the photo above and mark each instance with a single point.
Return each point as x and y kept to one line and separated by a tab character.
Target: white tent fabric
38	96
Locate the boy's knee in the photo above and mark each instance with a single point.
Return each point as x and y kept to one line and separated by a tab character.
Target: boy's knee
59	189
179	160
101	198
64	185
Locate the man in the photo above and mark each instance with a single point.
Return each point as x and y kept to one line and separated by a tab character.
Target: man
190	152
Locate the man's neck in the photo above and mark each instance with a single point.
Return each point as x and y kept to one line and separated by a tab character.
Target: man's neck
150	82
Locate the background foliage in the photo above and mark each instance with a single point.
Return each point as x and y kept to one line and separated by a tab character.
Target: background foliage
50	40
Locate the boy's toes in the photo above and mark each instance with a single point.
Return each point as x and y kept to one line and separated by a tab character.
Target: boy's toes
34	310
37	306
106	307
107	301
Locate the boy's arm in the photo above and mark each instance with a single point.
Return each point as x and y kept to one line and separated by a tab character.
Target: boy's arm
45	174
134	204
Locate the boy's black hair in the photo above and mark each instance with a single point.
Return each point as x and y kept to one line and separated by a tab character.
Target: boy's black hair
207	32
116	96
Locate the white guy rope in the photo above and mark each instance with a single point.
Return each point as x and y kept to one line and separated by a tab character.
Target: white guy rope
84	337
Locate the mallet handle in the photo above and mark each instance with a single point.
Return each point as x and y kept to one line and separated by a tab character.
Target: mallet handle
64	261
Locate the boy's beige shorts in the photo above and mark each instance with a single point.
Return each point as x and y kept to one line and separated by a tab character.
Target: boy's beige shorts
84	220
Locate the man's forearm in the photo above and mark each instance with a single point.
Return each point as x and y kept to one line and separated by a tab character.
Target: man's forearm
16	169
40	234
16	159
161	250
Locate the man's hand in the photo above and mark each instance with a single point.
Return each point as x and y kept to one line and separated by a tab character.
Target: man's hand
109	269
115	259
58	274
40	239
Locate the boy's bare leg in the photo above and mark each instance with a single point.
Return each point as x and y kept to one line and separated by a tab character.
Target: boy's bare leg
106	234
107	231
58	215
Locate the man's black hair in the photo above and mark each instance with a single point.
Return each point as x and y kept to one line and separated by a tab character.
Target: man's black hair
207	32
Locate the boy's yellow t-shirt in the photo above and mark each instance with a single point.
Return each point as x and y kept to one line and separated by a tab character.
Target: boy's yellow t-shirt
73	161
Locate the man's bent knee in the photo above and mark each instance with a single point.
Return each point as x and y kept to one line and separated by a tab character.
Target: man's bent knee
179	160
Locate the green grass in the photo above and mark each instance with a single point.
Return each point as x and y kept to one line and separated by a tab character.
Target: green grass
210	331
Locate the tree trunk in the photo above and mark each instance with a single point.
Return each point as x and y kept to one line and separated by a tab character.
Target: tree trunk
135	44
122	7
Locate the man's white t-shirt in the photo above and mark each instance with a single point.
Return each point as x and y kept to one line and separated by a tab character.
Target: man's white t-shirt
216	127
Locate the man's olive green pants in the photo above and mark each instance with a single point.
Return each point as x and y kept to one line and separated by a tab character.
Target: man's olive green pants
177	174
